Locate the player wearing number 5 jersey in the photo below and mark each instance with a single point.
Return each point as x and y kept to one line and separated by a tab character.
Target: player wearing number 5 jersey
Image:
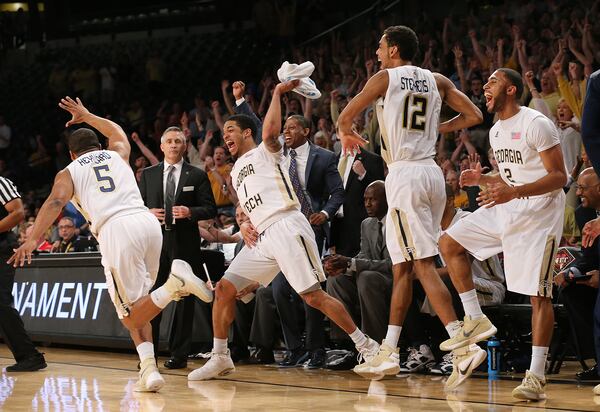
102	185
522	216
409	99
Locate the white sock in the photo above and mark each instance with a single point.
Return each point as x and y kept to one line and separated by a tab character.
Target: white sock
453	328
161	297
393	335
471	304
538	360
359	338
219	345
145	350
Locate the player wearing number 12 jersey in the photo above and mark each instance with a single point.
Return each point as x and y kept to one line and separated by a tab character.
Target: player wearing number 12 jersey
409	99
102	185
522	216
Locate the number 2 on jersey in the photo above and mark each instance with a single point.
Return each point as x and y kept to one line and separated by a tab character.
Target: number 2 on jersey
108	184
419	104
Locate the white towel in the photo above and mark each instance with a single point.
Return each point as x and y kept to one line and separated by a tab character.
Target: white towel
290	71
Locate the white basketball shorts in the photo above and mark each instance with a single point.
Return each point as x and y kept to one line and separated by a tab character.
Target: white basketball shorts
289	246
130	246
416	197
528	231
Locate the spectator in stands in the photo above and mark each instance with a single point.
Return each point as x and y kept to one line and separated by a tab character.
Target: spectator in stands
461	200
580	296
364	282
218	170
69	240
43	245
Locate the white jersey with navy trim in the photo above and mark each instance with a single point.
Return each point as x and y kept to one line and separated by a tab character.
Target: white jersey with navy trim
409	115
516	143
104	187
263	187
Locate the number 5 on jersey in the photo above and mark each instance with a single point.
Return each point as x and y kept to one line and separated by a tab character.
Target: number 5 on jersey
108	184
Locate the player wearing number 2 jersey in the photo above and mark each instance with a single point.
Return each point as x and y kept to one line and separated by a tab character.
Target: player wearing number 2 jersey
409	99
522	216
103	187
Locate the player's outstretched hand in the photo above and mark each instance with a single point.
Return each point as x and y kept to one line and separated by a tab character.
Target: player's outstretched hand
22	253
249	234
351	142
590	232
495	194
471	177
76	108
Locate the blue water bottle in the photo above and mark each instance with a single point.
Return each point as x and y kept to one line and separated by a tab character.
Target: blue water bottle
493	349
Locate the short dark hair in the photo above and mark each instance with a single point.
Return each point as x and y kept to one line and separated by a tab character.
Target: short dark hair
244	122
82	140
303	121
514	79
405	39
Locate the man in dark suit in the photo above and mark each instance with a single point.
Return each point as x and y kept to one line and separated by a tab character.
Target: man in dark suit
357	173
318	185
179	195
364	283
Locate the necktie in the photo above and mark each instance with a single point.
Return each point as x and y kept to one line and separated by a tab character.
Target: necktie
305	206
342	167
380	239
169	198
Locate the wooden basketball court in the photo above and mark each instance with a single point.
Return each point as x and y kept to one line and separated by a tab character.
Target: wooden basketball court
102	381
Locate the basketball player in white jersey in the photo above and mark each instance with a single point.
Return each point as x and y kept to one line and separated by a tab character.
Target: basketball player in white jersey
522	216
102	186
280	237
409	99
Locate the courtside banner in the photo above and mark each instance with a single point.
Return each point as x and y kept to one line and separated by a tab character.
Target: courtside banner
63	298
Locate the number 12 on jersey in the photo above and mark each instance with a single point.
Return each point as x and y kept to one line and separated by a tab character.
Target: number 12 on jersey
417	120
108	184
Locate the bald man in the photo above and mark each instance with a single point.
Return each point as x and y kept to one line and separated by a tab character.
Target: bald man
365	280
580	297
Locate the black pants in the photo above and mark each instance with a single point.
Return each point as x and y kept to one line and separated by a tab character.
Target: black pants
11	324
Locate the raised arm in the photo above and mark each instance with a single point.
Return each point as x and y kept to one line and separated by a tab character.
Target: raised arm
144	149
468	114
226	98
458	54
117	139
272	123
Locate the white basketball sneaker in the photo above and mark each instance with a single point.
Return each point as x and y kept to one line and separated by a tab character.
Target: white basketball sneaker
182	282
150	378
465	361
385	362
219	364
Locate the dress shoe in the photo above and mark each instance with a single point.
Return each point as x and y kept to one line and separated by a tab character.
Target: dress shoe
261	356
294	358
590	374
343	362
29	364
317	359
176	363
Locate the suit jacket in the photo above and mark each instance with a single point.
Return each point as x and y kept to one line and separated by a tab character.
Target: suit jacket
589	259
590	122
200	201
323	181
345	232
370	257
244	108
